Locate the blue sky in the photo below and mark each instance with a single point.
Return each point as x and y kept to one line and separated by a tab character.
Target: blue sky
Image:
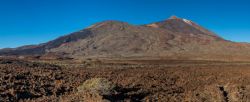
25	22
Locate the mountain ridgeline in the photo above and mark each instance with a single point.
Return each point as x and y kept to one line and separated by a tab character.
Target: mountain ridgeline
174	38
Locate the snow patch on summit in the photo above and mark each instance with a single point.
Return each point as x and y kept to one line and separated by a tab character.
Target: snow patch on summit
188	21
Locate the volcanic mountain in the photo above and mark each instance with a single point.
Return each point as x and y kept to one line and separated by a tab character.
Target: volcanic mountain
174	38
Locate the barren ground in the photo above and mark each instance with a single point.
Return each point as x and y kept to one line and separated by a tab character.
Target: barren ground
136	80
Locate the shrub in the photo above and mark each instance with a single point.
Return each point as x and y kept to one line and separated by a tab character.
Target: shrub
101	86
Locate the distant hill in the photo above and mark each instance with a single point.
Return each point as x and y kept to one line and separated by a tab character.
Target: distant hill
174	38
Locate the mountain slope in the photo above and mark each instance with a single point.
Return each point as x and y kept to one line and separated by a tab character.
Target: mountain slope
174	38
42	48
